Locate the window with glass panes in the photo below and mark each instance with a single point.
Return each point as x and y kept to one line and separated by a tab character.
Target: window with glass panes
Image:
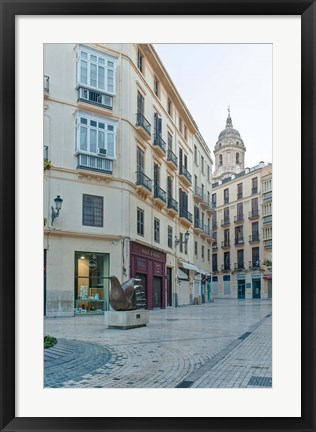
92	210
202	252
96	137
140	59
170	234
196	248
140	221
157	230
96	70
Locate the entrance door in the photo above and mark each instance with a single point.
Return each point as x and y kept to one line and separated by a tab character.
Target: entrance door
269	288
256	288
241	289
157	291
169	286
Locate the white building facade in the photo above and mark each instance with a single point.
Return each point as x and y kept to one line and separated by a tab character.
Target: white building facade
120	152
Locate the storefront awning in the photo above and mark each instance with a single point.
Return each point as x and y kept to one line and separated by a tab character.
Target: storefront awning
189	266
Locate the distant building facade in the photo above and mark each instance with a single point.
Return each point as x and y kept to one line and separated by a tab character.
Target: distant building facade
134	174
242	223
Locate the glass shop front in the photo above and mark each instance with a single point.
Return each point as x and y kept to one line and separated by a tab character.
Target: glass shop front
91	282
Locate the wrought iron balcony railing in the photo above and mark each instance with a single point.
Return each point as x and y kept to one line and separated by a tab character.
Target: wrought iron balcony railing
143	180
225	222
239	265
160	193
253	214
239	240
143	122
158	141
254	264
254	238
225	243
239	217
186	214
172	204
225	267
185	173
172	157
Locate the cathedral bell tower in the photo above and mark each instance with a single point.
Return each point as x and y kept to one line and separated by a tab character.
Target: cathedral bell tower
229	152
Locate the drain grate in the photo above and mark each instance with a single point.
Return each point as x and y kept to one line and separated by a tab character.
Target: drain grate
244	336
184	384
260	381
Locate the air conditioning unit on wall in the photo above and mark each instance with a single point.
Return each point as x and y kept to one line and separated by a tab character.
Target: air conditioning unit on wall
102	151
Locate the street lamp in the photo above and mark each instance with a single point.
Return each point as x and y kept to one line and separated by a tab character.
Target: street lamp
185	241
58	204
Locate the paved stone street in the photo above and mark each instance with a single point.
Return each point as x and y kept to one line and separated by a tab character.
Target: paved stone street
227	343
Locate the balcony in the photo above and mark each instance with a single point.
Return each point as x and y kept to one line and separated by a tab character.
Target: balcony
198	194
143	183
225	222
214	225
239	218
198	226
94	97
267	196
254	190
239	195
143	126
267	244
94	163
46	84
240	266
239	241
159	145
254	265
208	233
226	200
225	244
205	204
225	268
267	220
160	196
185	217
172	159
172	206
185	176
213	205
253	214
254	238
215	268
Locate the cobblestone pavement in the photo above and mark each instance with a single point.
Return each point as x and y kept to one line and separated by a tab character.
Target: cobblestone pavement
227	343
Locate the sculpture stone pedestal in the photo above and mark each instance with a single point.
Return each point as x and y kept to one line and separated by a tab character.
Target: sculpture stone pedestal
126	319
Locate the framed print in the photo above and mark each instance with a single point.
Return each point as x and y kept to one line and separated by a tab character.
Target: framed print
156	302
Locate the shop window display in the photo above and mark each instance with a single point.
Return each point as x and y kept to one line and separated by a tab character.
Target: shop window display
91	282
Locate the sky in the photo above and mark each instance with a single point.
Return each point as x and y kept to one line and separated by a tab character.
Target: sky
211	77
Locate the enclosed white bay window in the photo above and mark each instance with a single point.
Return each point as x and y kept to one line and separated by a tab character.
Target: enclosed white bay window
96	73
95	142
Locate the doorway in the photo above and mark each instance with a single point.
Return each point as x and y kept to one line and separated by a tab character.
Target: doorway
241	289
256	288
157	291
270	289
169	286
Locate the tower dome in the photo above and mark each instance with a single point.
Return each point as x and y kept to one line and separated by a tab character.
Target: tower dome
229	151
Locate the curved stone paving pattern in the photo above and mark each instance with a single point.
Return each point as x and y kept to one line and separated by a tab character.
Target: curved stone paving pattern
173	351
71	360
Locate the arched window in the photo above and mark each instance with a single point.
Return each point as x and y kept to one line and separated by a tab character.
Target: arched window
237	158
220	160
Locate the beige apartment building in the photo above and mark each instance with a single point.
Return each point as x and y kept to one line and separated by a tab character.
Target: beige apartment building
126	163
242	223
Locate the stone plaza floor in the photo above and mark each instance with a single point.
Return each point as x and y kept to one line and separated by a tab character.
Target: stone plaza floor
227	343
